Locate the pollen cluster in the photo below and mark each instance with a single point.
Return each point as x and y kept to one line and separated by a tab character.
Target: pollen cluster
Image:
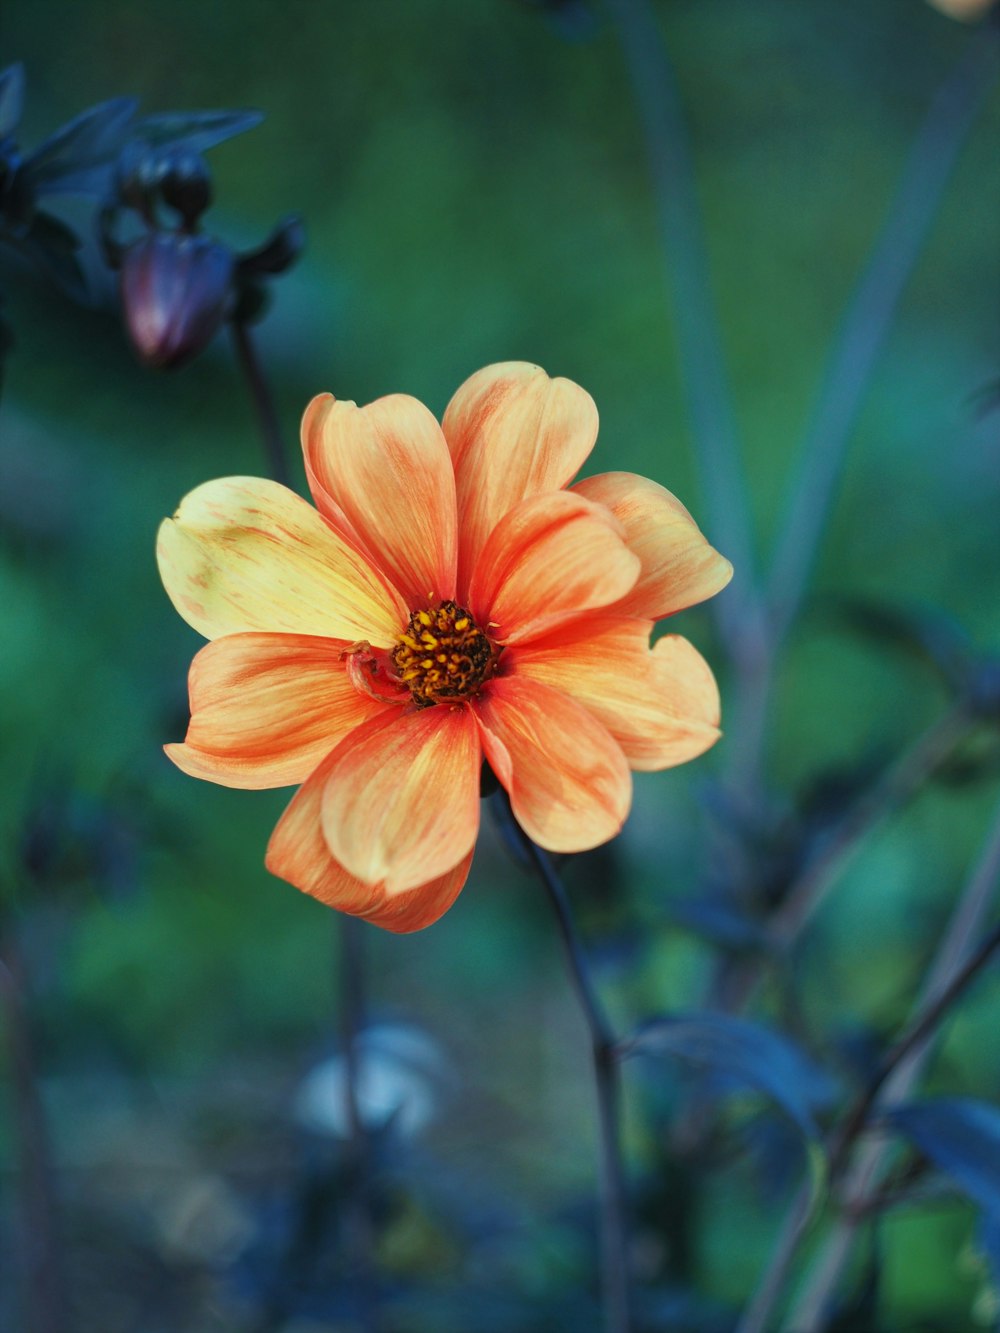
444	656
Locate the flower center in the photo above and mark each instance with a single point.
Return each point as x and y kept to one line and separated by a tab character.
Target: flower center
443	656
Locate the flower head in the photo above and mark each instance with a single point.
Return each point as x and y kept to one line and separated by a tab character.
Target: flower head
446	602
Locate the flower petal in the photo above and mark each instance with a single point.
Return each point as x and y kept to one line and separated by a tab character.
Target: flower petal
679	567
660	705
387	470
266	709
401	804
298	853
243	553
569	784
545	562
513	432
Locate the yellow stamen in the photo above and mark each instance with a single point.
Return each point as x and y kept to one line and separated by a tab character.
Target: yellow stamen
443	656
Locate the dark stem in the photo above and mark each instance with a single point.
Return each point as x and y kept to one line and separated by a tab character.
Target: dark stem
953	968
263	402
703	370
897	785
46	1303
921	1027
941	992
360	1212
758	1313
614	1234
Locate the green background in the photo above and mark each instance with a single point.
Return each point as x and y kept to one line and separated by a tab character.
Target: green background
475	188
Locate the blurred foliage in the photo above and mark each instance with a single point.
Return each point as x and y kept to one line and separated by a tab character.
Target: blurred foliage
475	189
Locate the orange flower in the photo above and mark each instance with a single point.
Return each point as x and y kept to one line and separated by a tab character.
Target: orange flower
966	11
448	602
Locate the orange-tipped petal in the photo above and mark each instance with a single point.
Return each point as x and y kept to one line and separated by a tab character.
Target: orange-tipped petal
513	432
569	783
243	553
679	567
266	709
299	854
552	558
401	804
661	705
387	470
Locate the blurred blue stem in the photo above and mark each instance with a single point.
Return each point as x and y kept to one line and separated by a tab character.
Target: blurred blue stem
956	963
949	119
360	1211
350	962
263	402
897	785
614	1230
702	368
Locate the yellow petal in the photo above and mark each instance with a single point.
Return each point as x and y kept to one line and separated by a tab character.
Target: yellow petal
242	554
299	854
387	470
401	804
513	432
267	708
679	567
661	705
550	559
569	784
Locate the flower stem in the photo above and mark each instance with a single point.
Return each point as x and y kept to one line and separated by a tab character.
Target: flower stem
702	366
949	120
757	1315
954	968
263	401
900	782
361	1223
361	1228
614	1234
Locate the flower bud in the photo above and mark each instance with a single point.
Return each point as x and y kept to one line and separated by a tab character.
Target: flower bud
186	185
176	291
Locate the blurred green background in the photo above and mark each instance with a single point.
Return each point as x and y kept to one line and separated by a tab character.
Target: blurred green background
475	188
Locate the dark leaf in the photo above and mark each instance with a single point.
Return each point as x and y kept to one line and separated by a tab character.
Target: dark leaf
719	922
961	1136
747	1053
50	246
77	157
923	632
11	98
988	1242
196	131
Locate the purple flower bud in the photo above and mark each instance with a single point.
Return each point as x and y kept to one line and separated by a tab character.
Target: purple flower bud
176	290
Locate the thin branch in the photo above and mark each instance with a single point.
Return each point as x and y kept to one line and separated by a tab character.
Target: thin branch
351	968
702	366
918	1031
953	968
772	1283
898	784
360	1210
614	1233
947	125
263	402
